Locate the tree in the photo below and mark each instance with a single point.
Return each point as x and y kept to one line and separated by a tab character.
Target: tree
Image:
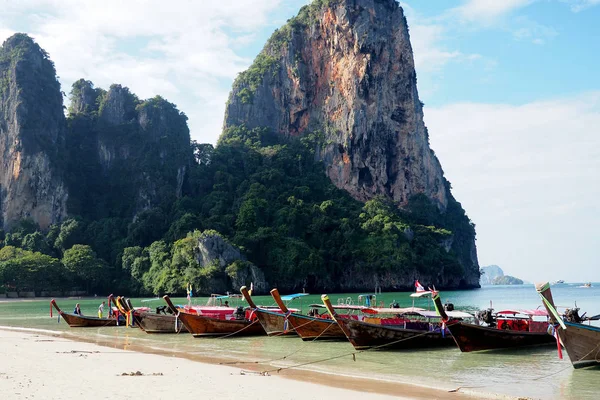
27	270
81	261
71	233
35	242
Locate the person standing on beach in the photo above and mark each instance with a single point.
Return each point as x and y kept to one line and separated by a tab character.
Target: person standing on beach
101	309
77	309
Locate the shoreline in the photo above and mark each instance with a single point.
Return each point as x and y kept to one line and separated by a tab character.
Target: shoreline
323	381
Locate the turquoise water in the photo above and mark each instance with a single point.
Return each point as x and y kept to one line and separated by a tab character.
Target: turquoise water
536	373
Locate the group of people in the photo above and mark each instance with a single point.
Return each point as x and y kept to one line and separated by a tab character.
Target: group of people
77	309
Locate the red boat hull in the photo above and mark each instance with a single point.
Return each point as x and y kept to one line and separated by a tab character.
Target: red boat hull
470	337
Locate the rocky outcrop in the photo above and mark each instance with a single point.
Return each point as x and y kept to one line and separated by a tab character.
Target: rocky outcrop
140	149
32	129
214	250
346	70
489	273
342	72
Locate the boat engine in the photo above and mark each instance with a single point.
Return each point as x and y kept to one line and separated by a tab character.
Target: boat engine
239	313
487	316
572	315
161	310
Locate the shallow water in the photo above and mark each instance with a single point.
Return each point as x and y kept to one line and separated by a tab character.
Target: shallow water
536	373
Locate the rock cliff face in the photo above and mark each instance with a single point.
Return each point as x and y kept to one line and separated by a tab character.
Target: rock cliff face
346	69
32	133
214	251
343	71
138	151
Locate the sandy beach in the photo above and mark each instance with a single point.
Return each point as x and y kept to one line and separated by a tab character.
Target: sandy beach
36	366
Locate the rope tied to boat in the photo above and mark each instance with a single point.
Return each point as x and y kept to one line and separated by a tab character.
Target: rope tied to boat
353	354
236	332
287	355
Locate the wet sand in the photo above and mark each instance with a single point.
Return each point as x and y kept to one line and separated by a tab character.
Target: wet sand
36	366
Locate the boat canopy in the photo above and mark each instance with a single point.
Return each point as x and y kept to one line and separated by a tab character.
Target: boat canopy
388	310
533	313
341	307
290	297
276	309
434	314
420	294
225	296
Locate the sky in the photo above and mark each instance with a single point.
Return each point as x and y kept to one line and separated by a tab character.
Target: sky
511	91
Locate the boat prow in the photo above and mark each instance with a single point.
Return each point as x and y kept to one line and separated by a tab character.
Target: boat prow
83	321
581	341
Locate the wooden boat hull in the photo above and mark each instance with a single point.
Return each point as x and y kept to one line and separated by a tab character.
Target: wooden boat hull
273	323
470	337
158	323
83	321
201	326
311	328
364	336
582	343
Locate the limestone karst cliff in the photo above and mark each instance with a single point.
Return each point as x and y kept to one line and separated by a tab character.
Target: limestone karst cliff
32	133
344	70
137	151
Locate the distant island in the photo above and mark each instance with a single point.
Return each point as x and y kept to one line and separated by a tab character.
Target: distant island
493	275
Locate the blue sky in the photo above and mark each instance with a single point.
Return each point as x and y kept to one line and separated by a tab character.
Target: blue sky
511	89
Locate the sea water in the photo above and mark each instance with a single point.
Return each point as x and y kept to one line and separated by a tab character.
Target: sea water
534	372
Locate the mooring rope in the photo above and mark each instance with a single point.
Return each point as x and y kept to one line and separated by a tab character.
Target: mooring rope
236	332
284	357
353	354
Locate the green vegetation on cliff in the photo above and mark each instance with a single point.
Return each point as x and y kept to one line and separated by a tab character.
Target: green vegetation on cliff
507	280
269	198
142	197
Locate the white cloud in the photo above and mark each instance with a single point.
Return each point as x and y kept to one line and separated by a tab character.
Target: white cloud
186	51
487	11
580	5
532	31
528	177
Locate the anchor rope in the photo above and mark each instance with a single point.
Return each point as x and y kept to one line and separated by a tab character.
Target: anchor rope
353	354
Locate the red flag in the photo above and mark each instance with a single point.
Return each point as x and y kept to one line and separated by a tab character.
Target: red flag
419	287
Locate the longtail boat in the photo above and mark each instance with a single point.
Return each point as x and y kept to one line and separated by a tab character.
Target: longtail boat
151	322
219	324
148	321
310	327
581	341
84	321
273	320
506	329
392	333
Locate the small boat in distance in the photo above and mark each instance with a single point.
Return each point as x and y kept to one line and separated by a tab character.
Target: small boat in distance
558	282
505	329
581	341
586	285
